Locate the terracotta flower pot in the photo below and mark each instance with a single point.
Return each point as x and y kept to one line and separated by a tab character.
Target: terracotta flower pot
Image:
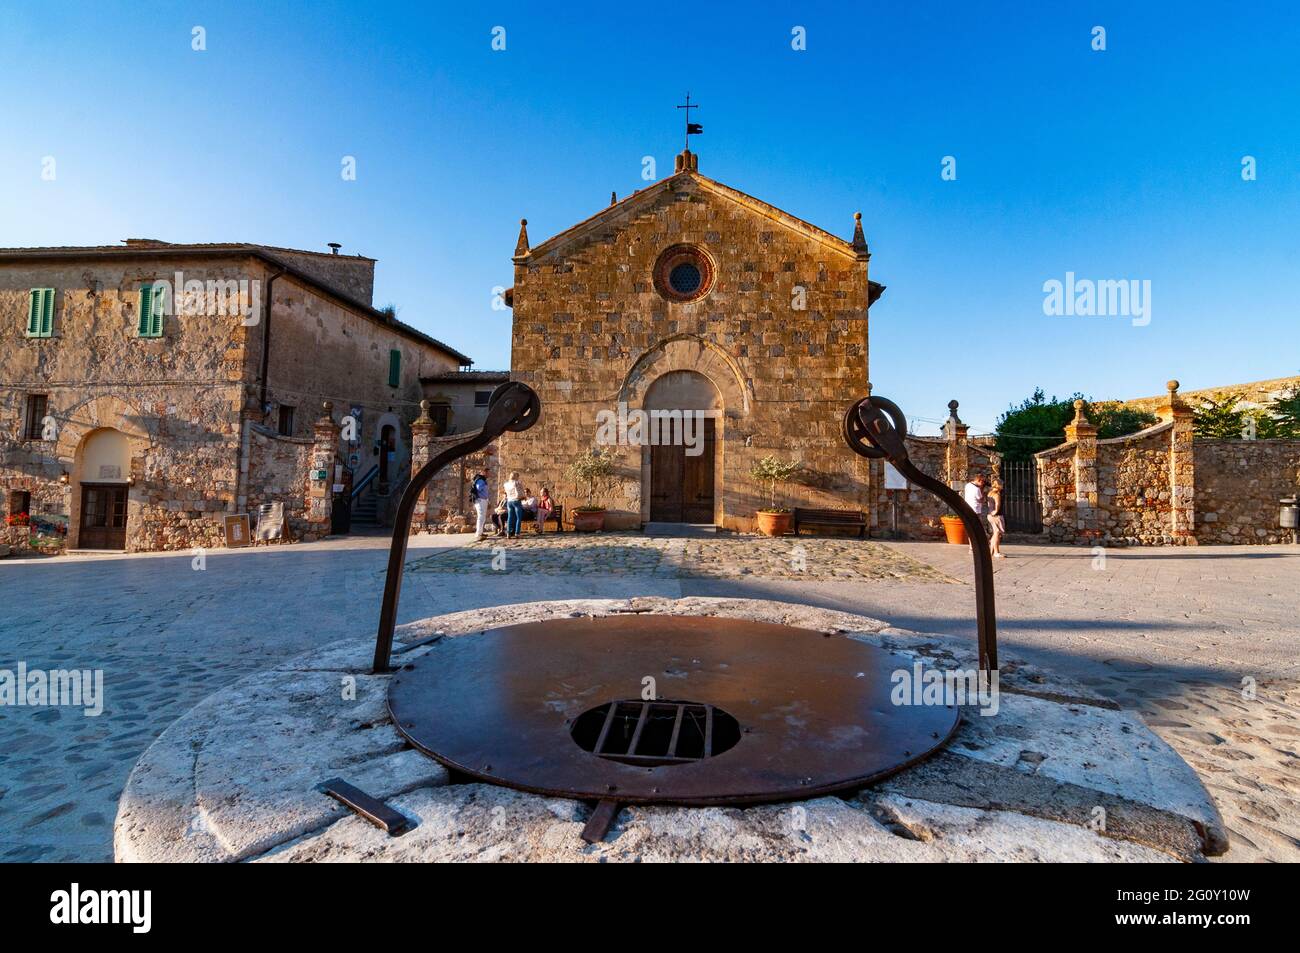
954	529
588	521
774	524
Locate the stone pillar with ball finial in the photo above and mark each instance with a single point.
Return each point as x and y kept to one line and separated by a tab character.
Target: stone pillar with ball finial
1083	434
423	430
320	478
1182	466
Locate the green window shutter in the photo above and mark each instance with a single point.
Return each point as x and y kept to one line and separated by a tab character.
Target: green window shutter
40	313
34	313
394	368
47	312
151	311
146	302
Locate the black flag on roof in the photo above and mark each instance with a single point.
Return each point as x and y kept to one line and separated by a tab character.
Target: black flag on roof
694	129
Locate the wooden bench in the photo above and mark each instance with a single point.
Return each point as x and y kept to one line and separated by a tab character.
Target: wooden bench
836	519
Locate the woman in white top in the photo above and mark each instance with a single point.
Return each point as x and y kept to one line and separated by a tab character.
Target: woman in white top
514	505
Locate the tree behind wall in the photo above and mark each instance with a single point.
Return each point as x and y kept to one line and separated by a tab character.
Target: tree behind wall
1038	424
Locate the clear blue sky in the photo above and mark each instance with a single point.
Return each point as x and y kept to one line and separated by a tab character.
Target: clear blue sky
1117	164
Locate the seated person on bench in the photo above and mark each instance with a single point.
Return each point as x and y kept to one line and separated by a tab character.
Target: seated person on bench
545	507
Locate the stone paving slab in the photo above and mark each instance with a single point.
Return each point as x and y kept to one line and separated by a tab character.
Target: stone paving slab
257	750
1147	629
724	556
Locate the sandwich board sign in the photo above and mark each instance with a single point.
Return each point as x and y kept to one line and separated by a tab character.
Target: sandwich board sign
237	530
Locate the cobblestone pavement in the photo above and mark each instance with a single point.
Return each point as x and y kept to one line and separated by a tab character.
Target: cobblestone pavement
1182	636
724	557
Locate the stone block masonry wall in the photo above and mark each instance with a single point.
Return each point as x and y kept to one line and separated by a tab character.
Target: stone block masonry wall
1162	487
1238	485
1135	501
277	470
444	505
953	461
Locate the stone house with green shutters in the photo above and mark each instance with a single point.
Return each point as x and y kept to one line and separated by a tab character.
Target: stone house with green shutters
150	389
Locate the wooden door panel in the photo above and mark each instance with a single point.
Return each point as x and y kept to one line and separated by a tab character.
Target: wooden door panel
697	480
666	484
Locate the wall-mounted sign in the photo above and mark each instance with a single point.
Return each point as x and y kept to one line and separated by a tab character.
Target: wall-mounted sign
320	474
237	530
110	472
893	479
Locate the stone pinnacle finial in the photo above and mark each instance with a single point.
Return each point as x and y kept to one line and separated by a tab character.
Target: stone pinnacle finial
859	240
327	410
613	198
425	411
521	246
1172	387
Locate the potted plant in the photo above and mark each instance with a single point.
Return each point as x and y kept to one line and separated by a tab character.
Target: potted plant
774	520
954	530
594	467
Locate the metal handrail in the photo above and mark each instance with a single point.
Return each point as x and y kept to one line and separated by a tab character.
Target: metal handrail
874	428
514	407
364	481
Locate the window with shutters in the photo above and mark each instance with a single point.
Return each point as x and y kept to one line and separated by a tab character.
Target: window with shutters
40	313
153	302
482	398
34	424
394	368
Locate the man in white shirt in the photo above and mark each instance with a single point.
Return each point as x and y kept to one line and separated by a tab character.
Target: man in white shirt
974	494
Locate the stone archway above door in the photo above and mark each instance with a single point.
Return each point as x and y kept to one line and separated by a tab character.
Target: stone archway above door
688	352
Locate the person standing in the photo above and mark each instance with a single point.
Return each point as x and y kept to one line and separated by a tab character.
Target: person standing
974	494
514	505
478	494
997	522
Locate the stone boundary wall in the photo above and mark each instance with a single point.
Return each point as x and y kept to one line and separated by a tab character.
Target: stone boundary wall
444	505
953	460
1134	496
1238	486
1160	486
277	472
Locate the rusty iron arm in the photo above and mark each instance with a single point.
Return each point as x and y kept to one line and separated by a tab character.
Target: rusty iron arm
514	407
874	428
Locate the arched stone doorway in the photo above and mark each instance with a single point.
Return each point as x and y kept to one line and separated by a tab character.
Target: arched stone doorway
390	447
102	473
681	466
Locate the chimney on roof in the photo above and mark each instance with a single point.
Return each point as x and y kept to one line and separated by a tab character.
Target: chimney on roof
334	247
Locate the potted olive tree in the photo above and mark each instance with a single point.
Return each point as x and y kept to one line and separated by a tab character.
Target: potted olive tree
774	520
594	468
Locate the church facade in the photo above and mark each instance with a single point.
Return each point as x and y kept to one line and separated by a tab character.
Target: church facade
740	328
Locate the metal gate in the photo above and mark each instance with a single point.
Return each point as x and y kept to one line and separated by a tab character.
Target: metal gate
1020	502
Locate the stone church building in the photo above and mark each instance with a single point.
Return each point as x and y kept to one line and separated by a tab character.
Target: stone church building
690	295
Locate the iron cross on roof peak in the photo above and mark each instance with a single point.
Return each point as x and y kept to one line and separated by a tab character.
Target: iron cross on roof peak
692	128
